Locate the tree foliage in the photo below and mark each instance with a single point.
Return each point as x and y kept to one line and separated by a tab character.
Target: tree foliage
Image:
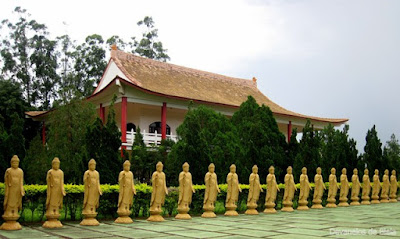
372	156
391	153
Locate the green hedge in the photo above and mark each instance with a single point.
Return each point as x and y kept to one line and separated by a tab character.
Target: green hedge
35	199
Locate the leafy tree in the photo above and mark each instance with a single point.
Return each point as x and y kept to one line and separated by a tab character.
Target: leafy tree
292	150
372	156
11	101
149	46
391	153
119	42
37	162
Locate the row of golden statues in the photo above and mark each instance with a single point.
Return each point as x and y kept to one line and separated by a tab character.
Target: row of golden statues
14	192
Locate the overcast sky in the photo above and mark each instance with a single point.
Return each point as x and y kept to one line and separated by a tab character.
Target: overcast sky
338	59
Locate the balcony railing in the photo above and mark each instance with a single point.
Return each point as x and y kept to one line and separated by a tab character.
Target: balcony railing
149	139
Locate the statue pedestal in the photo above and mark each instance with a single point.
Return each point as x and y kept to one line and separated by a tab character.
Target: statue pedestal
355	201
231	210
89	219
155	216
11	223
287	206
317	204
343	202
365	200
251	209
208	212
269	208
375	199
393	198
384	199
52	221
124	217
183	213
331	203
303	205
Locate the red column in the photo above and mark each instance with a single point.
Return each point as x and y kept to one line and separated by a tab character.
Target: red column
102	116
44	133
124	105
164	121
289	131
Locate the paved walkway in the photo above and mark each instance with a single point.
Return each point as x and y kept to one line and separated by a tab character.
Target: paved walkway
372	221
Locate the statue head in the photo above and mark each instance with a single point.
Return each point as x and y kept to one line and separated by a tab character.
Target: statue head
255	169
333	170
394	172
211	168
271	170
55	163
344	171
159	167
15	161
304	170
289	170
319	170
386	172
232	168
126	166
366	171
376	171
185	167
92	164
355	171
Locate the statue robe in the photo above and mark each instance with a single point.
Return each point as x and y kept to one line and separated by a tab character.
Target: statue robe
211	192
272	189
333	187
14	190
289	188
319	186
91	180
126	189
377	186
385	186
185	189
255	188
366	187
233	188
355	189
344	186
393	186
159	188
55	188
304	187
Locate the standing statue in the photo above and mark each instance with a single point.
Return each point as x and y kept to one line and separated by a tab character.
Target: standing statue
211	192
290	187
376	188
232	194
318	190
355	188
159	185
344	189
385	187
272	188
366	188
393	187
55	195
333	187
304	190
185	193
13	193
91	180
126	192
254	192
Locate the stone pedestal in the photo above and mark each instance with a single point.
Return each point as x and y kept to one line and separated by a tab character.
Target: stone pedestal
375	200
270	208
287	206
251	209
155	216
10	223
355	201
208	212
393	198
365	200
303	205
317	204
52	221
124	217
183	214
331	203
385	199
89	219
343	202
231	210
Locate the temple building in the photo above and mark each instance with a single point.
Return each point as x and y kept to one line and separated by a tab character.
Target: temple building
154	96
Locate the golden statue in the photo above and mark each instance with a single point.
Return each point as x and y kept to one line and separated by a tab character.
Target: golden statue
393	187
304	190
333	188
290	187
355	188
232	194
211	192
91	181
318	190
159	185
376	188
385	187
55	195
185	192
13	193
272	188
344	189
366	188
254	192
126	192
